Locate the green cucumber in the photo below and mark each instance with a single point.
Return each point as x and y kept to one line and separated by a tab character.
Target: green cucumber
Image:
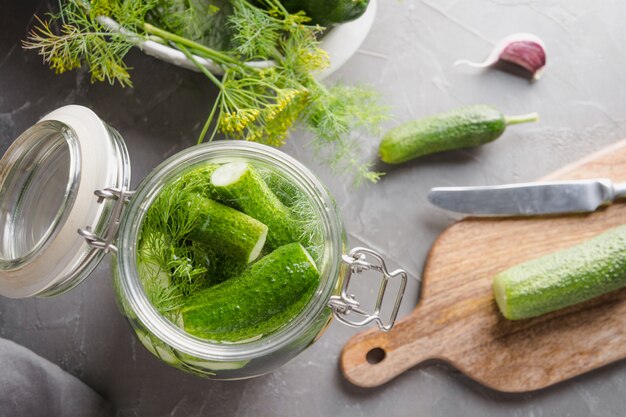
219	266
256	302
241	185
327	12
461	128
563	278
226	230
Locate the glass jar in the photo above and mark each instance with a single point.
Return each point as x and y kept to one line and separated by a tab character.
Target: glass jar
80	167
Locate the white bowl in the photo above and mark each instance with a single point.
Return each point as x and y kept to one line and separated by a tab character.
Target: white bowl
340	42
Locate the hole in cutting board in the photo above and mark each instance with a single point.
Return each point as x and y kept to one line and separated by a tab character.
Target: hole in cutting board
376	355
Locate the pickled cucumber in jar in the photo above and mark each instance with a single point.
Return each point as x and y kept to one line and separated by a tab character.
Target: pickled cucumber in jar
230	252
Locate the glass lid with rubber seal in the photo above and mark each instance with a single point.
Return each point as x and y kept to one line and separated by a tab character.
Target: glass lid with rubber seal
60	182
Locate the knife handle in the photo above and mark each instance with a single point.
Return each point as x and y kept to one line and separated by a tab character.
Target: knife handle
619	190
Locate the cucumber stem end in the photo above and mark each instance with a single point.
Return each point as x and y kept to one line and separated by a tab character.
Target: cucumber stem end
524	118
499	292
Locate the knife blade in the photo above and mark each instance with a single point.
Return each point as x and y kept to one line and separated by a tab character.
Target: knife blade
527	199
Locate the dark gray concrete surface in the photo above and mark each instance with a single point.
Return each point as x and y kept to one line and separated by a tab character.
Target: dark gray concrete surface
408	56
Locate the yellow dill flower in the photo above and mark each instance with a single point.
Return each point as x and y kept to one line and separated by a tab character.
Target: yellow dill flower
283	99
317	60
63	64
235	122
277	118
253	135
103	8
297	21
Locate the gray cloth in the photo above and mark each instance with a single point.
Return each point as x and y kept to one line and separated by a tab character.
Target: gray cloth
32	386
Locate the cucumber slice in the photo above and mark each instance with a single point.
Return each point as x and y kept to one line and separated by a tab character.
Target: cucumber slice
227	231
263	298
564	278
157	348
239	184
203	364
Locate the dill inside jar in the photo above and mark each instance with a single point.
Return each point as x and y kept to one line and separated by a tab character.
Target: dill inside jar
230	252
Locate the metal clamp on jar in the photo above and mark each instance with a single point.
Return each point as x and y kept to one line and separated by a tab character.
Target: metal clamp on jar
65	202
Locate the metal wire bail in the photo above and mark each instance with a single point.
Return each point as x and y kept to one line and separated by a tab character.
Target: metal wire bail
345	304
105	243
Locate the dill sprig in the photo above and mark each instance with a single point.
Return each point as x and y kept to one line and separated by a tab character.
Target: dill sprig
167	263
309	225
203	21
73	37
335	114
255	104
255	33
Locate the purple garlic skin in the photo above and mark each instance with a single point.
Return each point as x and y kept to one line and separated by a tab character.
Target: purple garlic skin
523	49
526	54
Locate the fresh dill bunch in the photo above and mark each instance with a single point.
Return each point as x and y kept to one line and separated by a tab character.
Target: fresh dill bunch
255	104
74	37
263	106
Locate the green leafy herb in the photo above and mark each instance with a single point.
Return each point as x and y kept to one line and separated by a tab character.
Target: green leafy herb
256	104
311	233
167	263
204	21
79	39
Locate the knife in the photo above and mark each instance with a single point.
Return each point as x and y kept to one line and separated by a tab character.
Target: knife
527	199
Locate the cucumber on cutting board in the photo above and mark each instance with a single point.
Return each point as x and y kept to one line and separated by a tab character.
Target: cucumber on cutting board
456	129
240	184
248	305
232	233
564	278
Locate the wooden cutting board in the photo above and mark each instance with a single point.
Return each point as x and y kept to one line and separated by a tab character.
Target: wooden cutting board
457	319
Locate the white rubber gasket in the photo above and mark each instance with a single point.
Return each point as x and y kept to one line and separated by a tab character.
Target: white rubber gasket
63	254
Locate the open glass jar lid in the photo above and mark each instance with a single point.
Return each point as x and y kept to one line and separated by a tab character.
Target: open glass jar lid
64	193
47	181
